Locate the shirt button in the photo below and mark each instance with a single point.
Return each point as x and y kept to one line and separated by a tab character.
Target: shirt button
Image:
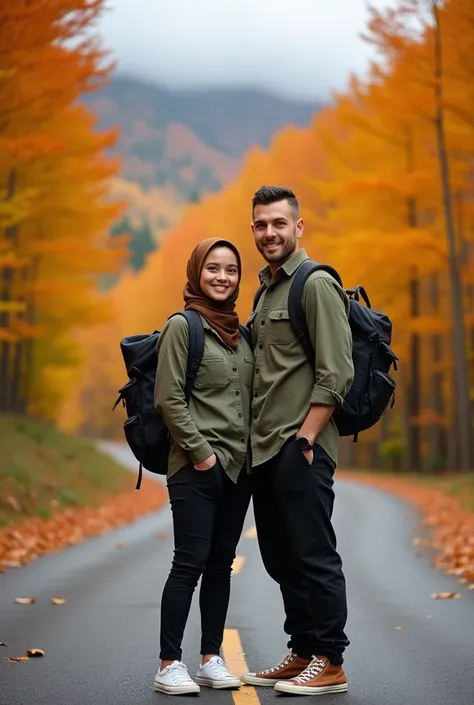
237	394
240	416
255	417
257	371
234	369
242	440
262	323
260	346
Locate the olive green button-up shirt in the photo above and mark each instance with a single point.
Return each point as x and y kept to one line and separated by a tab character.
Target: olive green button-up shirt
285	383
217	419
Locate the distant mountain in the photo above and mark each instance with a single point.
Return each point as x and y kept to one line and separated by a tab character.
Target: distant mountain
190	142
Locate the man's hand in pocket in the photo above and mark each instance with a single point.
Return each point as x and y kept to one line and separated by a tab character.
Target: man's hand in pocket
206	464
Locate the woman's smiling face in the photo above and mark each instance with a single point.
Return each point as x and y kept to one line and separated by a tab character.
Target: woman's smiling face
220	273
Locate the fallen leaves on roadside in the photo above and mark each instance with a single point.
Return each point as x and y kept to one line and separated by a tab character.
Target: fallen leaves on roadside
471	587
30	653
455	571
25	542
25	600
446	595
399	628
450	544
58	600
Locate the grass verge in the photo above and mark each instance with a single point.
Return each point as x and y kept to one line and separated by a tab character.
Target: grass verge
42	470
57	490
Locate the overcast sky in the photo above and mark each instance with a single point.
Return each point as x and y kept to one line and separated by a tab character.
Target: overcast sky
304	52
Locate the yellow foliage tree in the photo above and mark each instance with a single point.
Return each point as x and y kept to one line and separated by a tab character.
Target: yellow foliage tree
54	212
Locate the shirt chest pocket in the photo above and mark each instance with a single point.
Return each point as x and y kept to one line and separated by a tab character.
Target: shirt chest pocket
281	332
212	372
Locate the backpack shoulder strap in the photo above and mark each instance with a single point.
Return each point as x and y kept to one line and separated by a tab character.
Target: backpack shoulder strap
295	306
195	349
259	293
245	333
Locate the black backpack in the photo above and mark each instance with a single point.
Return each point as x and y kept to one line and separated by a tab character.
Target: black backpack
373	389
144	429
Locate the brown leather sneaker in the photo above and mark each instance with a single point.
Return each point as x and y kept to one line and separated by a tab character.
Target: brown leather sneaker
291	666
319	678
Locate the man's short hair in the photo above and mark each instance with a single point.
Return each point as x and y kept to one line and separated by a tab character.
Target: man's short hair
272	194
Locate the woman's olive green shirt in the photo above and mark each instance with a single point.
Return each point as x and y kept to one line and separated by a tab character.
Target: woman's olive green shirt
217	419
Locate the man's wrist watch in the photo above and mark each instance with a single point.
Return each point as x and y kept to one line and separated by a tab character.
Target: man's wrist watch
303	443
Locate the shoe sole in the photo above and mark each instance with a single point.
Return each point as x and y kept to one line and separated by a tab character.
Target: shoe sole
219	685
250	679
176	689
285	687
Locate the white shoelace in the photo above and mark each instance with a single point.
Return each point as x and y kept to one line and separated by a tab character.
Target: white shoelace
179	673
311	671
219	669
286	660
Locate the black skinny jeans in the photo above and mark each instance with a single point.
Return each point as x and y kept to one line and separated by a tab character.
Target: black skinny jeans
293	504
208	517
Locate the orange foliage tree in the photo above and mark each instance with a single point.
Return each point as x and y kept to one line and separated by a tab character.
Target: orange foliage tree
384	177
54	212
410	145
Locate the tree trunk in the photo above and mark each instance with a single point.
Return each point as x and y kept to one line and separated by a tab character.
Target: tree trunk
437	433
382	462
413	401
29	346
461	388
6	347
414	458
17	404
465	249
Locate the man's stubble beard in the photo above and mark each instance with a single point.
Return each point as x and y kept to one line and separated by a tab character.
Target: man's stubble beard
288	250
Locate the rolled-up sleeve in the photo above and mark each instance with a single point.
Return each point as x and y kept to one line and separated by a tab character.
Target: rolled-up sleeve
170	400
326	307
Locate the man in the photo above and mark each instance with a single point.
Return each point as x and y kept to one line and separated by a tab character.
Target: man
294	450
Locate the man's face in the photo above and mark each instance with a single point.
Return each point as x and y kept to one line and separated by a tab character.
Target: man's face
276	231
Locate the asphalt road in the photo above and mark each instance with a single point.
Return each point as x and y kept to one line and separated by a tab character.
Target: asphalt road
101	645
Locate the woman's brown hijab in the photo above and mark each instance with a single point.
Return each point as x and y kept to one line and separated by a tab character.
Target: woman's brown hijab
219	314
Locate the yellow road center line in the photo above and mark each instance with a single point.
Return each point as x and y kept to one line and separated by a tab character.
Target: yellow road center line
238	564
251	533
235	660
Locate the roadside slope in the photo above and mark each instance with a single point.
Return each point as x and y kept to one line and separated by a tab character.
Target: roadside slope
56	490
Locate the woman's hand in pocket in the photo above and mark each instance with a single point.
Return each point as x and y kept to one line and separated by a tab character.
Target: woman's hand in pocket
207	463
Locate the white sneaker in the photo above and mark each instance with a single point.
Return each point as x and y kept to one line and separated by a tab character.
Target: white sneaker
175	680
214	674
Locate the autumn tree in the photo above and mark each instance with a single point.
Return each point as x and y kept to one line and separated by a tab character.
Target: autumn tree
422	36
54	211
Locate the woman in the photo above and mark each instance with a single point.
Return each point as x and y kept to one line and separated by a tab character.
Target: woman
208	480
